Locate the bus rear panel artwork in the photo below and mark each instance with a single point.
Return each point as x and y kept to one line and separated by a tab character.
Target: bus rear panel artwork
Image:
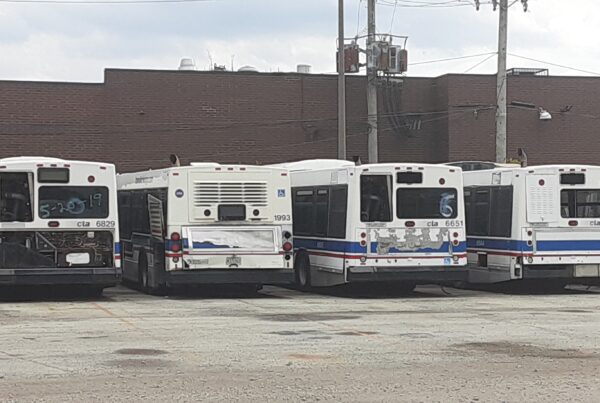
58	223
540	223
400	224
206	224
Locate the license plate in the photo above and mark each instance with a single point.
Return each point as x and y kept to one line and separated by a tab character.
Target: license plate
233	261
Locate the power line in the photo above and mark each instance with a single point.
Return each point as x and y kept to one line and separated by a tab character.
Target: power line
480	63
556	65
358	18
194	126
393	16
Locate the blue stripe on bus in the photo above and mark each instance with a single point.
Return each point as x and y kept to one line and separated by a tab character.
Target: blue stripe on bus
329	245
498	244
198	245
542	246
117	248
355	247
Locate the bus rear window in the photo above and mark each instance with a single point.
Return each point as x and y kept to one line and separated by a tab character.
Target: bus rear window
580	203
73	202
15	197
426	203
375	198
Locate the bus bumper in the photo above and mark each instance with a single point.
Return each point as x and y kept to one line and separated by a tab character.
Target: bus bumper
102	277
419	275
229	276
577	274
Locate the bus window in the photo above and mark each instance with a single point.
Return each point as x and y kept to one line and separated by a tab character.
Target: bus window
338	202
375	198
15	197
579	203
321	211
302	205
73	202
426	203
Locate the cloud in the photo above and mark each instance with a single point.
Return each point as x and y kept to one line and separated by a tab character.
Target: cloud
76	42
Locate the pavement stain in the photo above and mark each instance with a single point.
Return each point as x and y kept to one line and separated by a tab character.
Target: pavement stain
306	317
295	333
310	357
526	350
319	335
356	333
140	351
139	363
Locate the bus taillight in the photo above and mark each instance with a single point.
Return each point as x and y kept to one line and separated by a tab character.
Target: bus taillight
287	246
53	224
175	244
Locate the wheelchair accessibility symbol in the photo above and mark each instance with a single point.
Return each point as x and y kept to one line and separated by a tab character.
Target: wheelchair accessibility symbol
280	192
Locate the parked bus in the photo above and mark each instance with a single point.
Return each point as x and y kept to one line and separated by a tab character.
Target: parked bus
399	223
206	224
540	222
58	223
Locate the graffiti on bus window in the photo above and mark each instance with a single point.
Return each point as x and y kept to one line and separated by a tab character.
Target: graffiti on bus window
73	202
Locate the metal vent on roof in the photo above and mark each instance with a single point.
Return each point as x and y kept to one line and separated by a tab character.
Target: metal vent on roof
524	71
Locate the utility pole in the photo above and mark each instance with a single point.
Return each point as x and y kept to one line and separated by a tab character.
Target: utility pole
372	86
501	116
341	85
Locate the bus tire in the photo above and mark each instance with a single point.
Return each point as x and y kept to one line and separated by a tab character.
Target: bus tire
302	271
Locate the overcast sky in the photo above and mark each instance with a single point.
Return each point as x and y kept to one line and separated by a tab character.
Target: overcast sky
75	42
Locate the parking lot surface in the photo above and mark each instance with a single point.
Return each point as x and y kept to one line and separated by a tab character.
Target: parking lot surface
283	345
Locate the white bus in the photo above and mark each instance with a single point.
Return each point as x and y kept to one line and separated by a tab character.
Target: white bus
540	222
399	223
206	224
58	223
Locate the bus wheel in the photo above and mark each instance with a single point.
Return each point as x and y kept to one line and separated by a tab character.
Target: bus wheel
143	272
302	271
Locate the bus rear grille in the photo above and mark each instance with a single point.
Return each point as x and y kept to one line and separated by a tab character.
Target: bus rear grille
211	193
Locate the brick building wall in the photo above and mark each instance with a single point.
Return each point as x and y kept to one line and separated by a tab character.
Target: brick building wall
570	137
136	118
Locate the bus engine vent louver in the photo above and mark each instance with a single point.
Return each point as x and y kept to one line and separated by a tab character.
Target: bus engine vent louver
211	193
